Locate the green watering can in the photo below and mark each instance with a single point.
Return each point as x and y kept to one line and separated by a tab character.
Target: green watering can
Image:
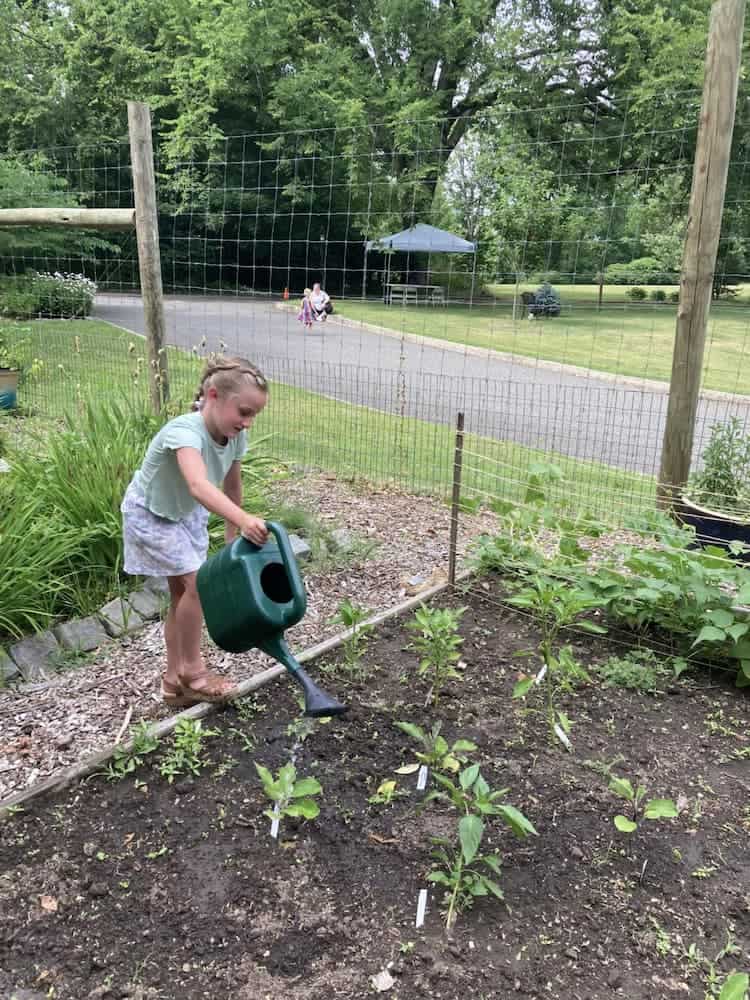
249	595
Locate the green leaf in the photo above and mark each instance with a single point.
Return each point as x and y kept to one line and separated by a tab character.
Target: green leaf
468	776
522	687
440	877
591	627
470	830
306	786
625	825
735	987
493	887
450	763
709	633
463	745
516	820
660	809
407	769
738	630
623	788
304	807
411	730
265	775
721	618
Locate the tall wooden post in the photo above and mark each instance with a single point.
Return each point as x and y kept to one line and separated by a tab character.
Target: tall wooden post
458	457
149	262
701	244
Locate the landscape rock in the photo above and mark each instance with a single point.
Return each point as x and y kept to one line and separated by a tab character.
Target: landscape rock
8	668
35	656
147	603
119	618
300	548
157	584
343	540
81	634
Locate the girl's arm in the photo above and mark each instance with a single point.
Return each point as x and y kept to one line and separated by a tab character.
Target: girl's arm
233	490
193	469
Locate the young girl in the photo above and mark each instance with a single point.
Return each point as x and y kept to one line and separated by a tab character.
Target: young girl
166	507
305	315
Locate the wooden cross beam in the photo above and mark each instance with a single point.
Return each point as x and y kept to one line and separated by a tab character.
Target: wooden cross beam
80	218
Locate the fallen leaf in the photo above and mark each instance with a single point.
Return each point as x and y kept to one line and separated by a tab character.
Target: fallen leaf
383	981
48	903
382	840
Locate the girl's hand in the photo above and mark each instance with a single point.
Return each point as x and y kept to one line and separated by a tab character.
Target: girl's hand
254	529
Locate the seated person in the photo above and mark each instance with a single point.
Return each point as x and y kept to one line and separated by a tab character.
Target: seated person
320	302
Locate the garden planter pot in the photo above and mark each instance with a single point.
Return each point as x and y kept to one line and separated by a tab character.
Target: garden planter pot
716	527
8	388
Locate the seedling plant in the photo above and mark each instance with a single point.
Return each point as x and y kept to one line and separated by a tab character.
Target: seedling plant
458	861
291	796
126	761
435	753
651	809
555	607
437	641
352	617
185	756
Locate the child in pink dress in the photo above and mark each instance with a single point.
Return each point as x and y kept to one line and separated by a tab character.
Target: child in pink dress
305	315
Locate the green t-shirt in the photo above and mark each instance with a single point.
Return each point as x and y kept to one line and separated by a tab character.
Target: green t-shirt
160	479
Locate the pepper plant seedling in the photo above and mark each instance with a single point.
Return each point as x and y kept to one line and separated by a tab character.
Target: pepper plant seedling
436	752
437	643
458	859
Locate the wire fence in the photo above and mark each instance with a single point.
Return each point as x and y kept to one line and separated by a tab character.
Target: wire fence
570	199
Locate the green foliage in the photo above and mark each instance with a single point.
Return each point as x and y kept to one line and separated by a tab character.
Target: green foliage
555	605
457	859
436	753
291	796
642	270
723	481
652	809
735	987
185	755
637	670
658	295
636	293
437	641
61	296
352	617
126	761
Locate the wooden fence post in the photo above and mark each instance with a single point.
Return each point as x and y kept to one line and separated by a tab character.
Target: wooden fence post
149	261
456	499
702	241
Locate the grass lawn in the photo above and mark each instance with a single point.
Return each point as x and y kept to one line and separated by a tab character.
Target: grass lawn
83	360
628	340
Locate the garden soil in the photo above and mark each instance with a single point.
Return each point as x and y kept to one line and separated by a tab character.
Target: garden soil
142	889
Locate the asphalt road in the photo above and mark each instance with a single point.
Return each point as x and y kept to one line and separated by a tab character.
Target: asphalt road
544	406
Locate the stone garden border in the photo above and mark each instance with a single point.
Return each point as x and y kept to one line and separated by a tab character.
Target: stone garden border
83	768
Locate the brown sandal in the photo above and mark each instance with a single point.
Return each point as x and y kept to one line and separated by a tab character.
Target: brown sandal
213	687
174	695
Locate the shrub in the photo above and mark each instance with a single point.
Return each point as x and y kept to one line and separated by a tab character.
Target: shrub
658	295
636	294
643	270
674	296
57	295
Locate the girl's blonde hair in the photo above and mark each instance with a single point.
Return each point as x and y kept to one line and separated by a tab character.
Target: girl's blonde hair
228	375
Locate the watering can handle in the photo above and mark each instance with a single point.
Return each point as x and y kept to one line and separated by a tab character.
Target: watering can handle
285	547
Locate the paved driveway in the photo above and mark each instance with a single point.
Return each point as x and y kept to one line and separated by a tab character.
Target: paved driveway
542	406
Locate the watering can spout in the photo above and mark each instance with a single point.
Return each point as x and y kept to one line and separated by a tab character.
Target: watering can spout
317	703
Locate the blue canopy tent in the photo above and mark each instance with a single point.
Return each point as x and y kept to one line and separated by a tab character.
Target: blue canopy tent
419	238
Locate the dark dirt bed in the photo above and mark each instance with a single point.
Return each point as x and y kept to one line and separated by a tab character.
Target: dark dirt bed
139	888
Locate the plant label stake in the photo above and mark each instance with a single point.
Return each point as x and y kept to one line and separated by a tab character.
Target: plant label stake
250	594
421	907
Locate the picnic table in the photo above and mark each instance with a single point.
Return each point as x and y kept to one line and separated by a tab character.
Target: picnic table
415	294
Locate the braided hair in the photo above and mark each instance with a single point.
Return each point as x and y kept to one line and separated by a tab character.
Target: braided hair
227	375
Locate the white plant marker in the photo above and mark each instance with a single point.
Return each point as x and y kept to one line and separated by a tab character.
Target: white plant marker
422	778
421	907
275	823
560	734
540	676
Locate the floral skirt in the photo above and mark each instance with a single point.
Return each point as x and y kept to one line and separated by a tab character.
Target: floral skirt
156	546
